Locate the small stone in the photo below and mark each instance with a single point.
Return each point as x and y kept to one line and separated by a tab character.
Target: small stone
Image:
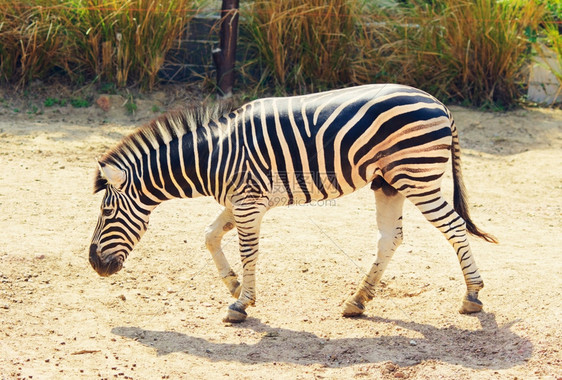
122	297
390	367
104	103
413	343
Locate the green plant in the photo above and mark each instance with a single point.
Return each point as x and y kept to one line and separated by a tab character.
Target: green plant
108	88
553	8
49	102
34	110
79	103
131	106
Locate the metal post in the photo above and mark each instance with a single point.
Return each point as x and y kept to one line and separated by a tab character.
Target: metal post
225	56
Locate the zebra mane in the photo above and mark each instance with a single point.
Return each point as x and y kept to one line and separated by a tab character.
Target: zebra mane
160	130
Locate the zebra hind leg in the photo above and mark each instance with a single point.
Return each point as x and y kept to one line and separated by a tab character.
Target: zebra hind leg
213	237
442	215
389	221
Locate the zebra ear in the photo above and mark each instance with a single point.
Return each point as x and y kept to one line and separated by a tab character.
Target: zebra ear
114	176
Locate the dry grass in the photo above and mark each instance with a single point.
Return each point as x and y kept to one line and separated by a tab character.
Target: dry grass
120	41
31	40
486	45
463	50
470	51
127	40
303	46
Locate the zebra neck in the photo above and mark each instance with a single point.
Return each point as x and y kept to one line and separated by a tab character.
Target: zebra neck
178	168
218	159
201	162
199	149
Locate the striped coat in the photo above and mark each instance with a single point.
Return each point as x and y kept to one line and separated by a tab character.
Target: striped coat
293	150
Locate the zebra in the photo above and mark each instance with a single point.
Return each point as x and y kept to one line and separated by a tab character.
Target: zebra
290	150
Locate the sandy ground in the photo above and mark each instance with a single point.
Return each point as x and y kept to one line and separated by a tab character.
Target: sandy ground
161	316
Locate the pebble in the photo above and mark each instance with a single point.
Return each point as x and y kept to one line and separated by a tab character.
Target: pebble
413	343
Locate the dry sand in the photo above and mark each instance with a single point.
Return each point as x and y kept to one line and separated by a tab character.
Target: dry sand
161	316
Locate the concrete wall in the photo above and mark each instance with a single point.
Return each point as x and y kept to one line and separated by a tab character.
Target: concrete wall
544	87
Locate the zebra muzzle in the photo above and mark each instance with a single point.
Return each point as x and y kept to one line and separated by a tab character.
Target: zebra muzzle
105	267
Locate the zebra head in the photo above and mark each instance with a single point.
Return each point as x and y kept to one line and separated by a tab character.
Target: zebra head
122	221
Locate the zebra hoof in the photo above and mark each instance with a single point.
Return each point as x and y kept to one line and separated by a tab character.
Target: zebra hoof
470	305
353	309
235	315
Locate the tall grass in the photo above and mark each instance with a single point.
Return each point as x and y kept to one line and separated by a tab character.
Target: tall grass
303	46
486	45
126	40
121	41
471	51
31	40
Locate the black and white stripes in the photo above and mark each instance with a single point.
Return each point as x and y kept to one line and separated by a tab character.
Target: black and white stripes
281	151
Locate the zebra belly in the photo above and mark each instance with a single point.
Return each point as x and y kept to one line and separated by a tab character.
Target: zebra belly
308	187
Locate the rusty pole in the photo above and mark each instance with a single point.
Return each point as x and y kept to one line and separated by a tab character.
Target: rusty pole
225	56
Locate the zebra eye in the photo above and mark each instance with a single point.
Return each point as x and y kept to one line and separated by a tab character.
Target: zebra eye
107	211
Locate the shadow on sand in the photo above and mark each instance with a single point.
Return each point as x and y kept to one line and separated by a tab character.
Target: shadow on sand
492	346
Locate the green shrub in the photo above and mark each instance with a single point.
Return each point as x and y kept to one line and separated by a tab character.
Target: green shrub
79	103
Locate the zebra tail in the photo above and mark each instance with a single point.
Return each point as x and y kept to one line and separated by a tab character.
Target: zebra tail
459	191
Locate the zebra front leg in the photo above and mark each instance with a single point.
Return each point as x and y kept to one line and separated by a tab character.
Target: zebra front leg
213	237
389	221
440	213
248	220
